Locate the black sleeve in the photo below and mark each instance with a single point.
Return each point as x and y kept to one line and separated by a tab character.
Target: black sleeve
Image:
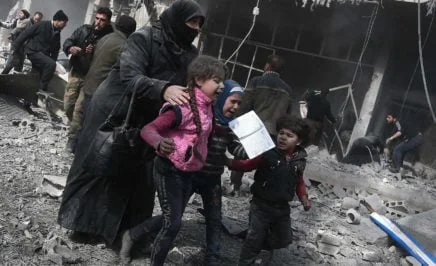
25	35
177	111
73	40
135	63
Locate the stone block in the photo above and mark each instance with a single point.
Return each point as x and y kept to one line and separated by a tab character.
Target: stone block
371	233
376	203
422	227
349	203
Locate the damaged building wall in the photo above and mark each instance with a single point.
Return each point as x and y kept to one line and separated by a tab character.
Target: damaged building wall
321	47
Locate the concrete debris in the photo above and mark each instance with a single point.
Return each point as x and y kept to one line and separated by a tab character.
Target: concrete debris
53	185
422	227
412	261
371	233
339	192
376	203
311	251
397	205
372	256
353	216
59	251
349	203
234	227
328	244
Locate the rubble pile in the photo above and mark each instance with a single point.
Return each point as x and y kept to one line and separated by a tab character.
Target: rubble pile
337	230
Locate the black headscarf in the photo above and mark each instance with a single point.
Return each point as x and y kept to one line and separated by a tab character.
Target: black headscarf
174	18
178	37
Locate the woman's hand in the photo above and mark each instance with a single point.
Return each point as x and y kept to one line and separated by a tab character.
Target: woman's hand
175	95
166	146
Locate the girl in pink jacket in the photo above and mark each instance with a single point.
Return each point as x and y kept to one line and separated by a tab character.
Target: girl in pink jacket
179	135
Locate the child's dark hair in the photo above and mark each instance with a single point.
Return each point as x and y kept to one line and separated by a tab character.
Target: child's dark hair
202	68
296	125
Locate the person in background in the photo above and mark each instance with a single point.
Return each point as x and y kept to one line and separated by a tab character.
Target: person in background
270	97
410	140
278	177
18	25
180	136
207	182
106	53
395	135
318	107
41	44
80	46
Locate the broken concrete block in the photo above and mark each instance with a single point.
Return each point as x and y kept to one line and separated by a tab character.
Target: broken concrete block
372	256
53	185
397	205
395	214
328	239
311	251
234	227
349	203
376	203
371	233
339	192
422	227
328	249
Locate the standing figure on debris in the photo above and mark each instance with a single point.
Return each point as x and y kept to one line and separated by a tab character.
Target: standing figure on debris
20	24
180	137
155	60
278	177
410	139
270	97
41	45
80	47
395	136
106	53
206	182
318	107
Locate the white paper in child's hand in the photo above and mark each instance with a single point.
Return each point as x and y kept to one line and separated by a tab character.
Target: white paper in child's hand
252	133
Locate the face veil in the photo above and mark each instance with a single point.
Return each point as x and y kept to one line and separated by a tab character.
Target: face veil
174	21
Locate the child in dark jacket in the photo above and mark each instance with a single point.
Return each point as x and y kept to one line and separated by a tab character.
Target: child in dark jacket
278	177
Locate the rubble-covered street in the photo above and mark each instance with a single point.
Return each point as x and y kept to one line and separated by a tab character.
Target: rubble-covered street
35	166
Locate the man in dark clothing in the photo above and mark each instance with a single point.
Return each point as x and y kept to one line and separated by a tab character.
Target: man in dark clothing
318	107
80	46
410	138
106	53
270	97
41	44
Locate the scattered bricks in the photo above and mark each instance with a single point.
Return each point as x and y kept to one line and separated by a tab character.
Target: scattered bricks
397	205
349	203
395	214
376	203
325	189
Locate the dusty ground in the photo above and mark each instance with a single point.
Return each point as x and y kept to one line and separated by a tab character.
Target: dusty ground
29	234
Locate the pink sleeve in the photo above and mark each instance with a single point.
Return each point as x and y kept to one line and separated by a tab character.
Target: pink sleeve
151	133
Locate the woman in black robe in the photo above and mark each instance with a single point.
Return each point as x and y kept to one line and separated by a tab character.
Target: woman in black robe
155	60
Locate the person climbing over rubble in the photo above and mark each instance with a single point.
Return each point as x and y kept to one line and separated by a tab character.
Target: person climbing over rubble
41	44
409	140
207	182
270	97
18	25
278	177
318	108
80	47
154	60
180	137
16	58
